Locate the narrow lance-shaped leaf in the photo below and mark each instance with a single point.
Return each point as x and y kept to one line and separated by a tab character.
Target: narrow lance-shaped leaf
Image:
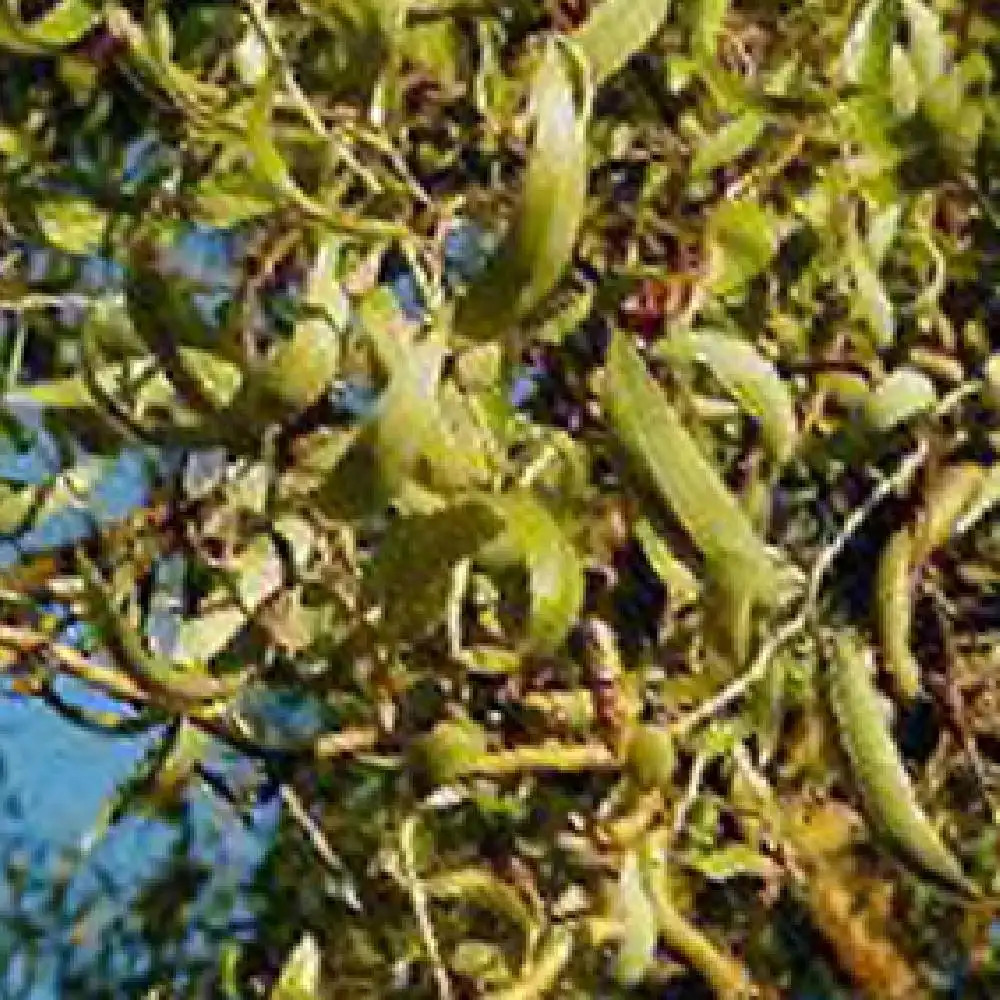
941	517
986	498
652	432
894	611
680	582
540	243
639	927
870	300
269	166
705	21
731	141
927	46
615	31
867	52
751	379
156	781
149	57
876	764
945	503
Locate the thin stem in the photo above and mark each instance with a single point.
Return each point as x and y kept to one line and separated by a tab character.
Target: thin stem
255	10
419	897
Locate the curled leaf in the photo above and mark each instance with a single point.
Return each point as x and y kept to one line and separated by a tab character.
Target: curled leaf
877	767
752	381
482	888
533	539
60	26
726	976
543	973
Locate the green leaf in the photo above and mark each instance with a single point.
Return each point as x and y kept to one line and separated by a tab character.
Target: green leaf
752	381
729	143
871	302
483	889
673	573
905	87
651	756
534	255
60	26
894	611
882	233
268	166
650	430
927	46
905	394
705	21
11	142
743	239
16	504
732	861
228	199
255	576
300	975
410	577
436	48
533	539
408	429
867	53
250	58
634	910
615	30
303	366
218	380
74	225
876	766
